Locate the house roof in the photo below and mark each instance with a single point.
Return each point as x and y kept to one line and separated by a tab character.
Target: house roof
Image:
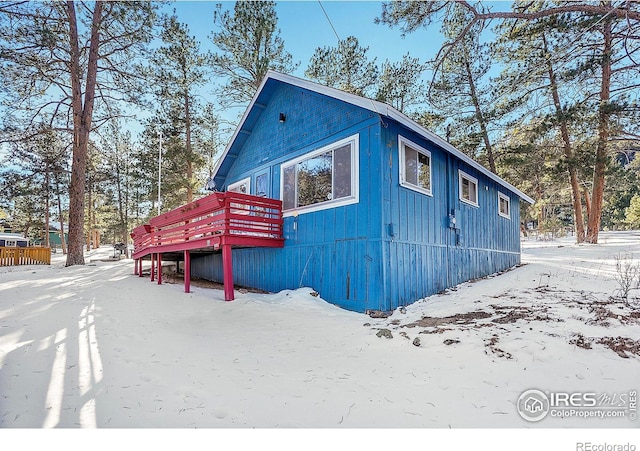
12	236
268	86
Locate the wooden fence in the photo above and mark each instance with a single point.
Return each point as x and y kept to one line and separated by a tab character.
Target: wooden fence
14	256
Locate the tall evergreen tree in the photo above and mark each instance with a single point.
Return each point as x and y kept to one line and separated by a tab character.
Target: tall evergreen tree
344	67
68	60
532	51
400	84
249	45
531	157
116	163
177	71
37	170
145	168
210	137
461	89
611	35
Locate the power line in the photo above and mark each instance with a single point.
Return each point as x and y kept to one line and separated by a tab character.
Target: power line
328	19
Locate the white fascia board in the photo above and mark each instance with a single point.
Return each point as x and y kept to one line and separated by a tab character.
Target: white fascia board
240	125
412	125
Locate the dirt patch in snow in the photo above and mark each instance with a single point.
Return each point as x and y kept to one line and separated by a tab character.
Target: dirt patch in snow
603	315
511	314
581	341
550	306
460	318
621	345
491	345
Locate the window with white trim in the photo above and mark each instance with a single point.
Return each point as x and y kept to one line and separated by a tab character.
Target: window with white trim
241	186
504	206
324	178
262	184
415	166
468	189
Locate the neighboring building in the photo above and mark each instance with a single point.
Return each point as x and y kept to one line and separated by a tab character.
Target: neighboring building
13	240
54	239
378	211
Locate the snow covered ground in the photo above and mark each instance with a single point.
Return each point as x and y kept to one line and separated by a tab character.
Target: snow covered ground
96	346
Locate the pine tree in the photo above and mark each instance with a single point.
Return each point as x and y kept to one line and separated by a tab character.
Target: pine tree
345	67
632	213
68	61
608	33
400	84
461	88
37	168
116	165
534	74
177	72
250	44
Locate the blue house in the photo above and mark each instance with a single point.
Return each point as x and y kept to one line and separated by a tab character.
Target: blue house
378	211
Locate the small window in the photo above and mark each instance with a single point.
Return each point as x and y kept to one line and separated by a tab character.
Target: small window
504	206
468	189
240	187
321	179
262	184
415	166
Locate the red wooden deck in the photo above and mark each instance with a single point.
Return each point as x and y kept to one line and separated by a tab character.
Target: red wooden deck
218	222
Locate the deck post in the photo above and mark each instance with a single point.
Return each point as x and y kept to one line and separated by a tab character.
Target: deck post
153	267
135	267
159	268
227	269
187	272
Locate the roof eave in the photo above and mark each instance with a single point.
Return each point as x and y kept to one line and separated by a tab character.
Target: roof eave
404	120
374	106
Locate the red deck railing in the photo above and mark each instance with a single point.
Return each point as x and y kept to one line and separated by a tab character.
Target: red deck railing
218	221
230	218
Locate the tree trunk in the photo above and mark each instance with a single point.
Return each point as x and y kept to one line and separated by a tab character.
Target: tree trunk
82	117
593	225
120	193
480	117
47	206
539	192
587	201
187	116
127	187
89	228
566	146
61	218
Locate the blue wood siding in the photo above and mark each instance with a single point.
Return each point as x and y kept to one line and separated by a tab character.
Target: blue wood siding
345	272
312	121
391	248
335	251
422	254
